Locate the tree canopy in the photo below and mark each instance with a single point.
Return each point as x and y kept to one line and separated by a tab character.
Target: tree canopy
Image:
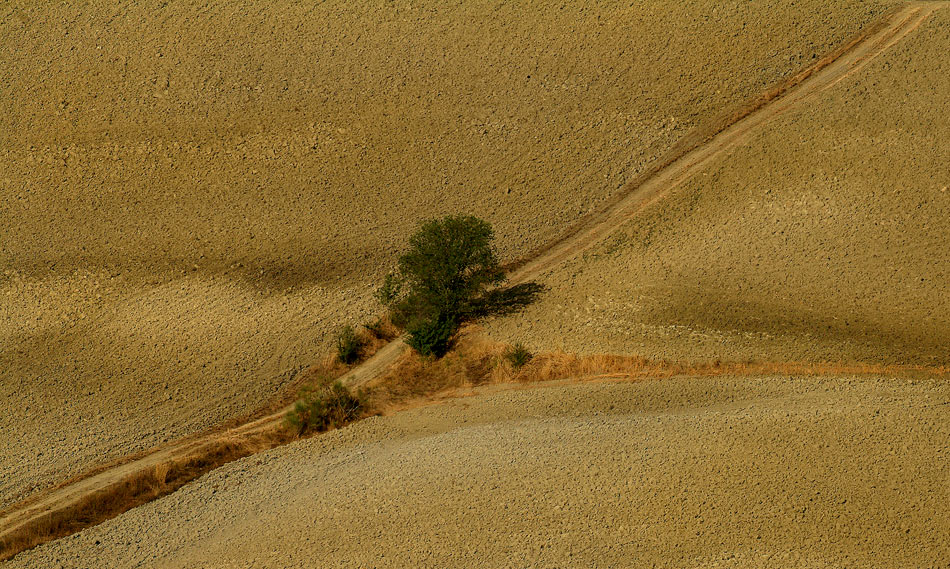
442	279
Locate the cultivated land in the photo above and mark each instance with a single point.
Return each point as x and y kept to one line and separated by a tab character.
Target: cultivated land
765	473
822	238
195	196
816	235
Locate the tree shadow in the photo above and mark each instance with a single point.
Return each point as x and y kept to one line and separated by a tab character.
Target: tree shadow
506	300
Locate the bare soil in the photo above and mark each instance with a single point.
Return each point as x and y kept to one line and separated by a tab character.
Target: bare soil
195	195
820	237
685	472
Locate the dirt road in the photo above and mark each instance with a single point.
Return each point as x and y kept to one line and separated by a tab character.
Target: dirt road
820	237
672	170
773	472
184	232
653	184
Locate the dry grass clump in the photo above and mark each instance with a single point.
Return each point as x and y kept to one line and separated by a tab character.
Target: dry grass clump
471	362
475	361
561	365
374	335
380	332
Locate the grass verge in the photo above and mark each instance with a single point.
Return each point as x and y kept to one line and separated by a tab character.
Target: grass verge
476	361
136	488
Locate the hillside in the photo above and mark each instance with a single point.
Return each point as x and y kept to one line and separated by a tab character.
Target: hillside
822	238
774	472
196	195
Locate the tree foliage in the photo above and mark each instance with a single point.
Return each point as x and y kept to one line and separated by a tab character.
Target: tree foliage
432	336
441	280
449	264
449	274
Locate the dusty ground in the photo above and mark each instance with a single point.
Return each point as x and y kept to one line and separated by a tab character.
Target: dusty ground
778	472
823	238
195	195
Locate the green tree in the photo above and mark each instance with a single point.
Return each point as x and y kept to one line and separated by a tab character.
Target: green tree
442	280
450	263
449	274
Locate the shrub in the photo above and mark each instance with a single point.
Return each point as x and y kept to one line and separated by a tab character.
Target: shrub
327	407
432	336
518	355
349	346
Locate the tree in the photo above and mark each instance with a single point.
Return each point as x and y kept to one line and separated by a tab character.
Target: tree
442	280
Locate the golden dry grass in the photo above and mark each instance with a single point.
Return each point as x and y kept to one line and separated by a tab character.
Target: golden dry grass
477	360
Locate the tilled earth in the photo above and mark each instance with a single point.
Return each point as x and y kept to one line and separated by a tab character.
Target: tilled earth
822	238
195	195
684	472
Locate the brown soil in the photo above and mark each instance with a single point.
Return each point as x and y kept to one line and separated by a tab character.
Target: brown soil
820	237
685	472
196	195
106	491
392	379
119	266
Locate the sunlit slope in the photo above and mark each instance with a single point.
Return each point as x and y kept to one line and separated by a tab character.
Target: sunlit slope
306	140
194	196
683	472
824	237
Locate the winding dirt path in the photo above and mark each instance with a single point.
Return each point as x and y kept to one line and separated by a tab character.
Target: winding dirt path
61	510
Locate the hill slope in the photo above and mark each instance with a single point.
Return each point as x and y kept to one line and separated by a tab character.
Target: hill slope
684	472
196	195
821	238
